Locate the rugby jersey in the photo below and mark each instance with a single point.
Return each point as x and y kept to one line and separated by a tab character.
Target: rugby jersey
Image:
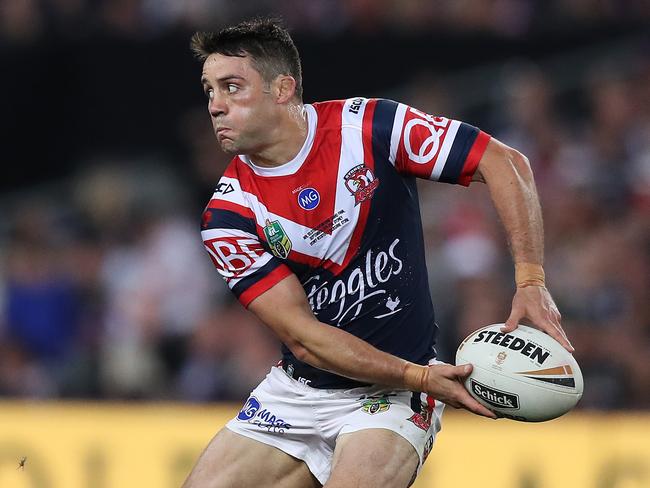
344	217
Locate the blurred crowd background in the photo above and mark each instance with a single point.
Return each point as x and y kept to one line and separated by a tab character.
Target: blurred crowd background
108	159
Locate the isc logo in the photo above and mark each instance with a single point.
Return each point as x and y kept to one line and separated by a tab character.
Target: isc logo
308	199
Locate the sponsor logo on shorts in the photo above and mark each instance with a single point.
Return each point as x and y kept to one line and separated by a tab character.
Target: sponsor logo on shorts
494	397
250	409
269	422
375	405
254	414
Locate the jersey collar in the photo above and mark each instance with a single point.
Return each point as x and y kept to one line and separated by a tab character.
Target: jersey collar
296	163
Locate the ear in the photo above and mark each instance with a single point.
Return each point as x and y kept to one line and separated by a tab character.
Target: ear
284	89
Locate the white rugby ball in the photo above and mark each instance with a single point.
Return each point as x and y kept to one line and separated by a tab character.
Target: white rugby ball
523	375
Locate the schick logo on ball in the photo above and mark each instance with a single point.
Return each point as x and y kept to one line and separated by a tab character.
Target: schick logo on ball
308	199
496	398
249	410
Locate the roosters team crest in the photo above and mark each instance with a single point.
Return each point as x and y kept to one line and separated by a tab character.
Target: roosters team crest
361	182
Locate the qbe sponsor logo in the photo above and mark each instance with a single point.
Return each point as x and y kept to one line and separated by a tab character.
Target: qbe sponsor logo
308	198
232	256
494	397
254	414
428	131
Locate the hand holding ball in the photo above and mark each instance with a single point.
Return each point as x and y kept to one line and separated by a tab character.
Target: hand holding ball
523	375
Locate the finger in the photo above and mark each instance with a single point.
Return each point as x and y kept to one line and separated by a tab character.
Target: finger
471	404
513	321
462	371
555	330
557	333
566	343
465	400
556	323
546	321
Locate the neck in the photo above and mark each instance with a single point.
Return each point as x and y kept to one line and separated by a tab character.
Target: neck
288	137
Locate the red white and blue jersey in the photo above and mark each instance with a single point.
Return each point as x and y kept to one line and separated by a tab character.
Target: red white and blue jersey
344	217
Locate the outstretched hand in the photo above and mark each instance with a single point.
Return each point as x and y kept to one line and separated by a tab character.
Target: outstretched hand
445	382
536	304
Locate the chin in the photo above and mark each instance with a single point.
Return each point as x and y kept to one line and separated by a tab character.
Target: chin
229	147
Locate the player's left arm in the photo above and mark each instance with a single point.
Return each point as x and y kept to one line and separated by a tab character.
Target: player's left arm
509	178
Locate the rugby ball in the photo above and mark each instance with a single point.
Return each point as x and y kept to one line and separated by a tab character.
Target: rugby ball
523	375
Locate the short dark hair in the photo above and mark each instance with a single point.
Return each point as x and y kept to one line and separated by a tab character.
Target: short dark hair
265	40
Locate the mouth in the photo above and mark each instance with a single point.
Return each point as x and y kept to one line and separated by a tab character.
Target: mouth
220	132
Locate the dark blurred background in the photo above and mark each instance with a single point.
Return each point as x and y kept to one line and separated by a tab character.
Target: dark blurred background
108	159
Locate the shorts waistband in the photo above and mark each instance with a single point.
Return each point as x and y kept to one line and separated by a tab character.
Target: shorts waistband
317	378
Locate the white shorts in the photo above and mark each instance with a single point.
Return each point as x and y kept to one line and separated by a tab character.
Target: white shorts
305	422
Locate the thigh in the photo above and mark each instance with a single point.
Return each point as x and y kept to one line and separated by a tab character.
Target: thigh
234	460
373	457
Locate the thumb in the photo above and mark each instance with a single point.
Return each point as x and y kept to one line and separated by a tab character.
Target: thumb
512	323
463	371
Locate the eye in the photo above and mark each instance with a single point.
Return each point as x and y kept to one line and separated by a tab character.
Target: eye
232	88
209	93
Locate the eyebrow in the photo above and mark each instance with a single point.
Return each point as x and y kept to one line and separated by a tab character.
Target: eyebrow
204	80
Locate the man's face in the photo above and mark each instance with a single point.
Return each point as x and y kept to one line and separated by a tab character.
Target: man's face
239	101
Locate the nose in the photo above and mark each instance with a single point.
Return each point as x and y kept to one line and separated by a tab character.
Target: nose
217	106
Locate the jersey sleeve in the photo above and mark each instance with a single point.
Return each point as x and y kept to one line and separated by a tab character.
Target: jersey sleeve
229	235
430	147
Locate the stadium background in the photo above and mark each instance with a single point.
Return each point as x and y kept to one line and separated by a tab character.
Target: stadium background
121	351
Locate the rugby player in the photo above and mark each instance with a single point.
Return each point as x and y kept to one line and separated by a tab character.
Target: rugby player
315	227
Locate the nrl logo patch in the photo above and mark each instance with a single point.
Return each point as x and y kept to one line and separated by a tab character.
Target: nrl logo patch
375	405
361	182
278	239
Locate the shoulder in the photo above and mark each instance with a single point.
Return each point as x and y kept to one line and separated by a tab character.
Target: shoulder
356	107
342	111
228	207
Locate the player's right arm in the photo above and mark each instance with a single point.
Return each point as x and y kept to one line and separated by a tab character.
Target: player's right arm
285	309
